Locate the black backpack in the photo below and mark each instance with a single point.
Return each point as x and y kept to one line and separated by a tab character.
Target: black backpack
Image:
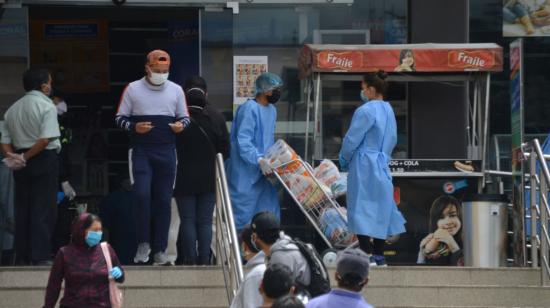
319	279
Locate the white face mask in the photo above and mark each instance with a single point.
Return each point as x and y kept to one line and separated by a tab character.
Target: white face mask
158	79
61	107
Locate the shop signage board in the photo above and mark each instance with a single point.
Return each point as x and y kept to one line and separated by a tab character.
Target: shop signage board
516	111
245	71
401	58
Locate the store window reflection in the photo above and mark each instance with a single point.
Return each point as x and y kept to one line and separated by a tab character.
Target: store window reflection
13	55
279	32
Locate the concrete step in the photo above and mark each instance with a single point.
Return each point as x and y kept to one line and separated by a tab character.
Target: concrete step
388	287
182	276
452	296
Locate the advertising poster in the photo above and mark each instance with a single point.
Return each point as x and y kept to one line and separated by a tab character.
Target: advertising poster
516	111
521	18
433	210
245	71
401	58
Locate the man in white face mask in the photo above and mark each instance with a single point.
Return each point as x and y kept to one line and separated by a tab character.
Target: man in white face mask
153	110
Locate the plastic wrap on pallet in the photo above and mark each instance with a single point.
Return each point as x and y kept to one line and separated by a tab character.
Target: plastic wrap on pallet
335	228
340	186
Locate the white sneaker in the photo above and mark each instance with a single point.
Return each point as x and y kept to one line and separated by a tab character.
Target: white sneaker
142	253
161	258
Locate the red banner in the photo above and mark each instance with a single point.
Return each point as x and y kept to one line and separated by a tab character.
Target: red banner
401	58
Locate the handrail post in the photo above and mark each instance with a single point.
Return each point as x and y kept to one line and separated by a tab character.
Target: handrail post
533	207
226	235
544	226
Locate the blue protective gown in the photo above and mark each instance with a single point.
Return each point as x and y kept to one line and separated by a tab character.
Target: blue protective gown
367	147
252	133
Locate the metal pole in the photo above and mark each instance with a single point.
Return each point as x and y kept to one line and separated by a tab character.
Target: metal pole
485	126
229	210
316	121
533	180
544	226
308	94
474	123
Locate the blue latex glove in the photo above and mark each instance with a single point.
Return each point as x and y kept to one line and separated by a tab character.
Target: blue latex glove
344	165
115	272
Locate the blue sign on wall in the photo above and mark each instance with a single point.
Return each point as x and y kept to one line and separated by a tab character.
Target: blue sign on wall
56	31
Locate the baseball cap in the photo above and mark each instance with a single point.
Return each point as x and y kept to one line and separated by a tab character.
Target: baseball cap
158	57
265	224
353	260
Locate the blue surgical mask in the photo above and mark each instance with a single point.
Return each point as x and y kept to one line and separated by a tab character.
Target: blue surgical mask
93	238
364	98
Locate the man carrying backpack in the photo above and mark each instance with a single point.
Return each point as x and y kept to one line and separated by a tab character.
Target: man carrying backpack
305	264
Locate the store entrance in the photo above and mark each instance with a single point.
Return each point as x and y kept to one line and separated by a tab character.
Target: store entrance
93	53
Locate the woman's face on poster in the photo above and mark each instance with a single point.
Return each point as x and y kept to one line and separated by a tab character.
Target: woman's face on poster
408	60
449	220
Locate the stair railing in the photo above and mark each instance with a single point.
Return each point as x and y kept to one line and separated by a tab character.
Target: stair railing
540	211
227	244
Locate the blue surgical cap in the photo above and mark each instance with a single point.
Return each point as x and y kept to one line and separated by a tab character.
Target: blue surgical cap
267	82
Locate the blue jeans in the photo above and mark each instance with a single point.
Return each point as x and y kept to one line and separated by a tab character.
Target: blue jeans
513	12
195	234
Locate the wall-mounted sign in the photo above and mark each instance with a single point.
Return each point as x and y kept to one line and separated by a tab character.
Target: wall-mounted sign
245	71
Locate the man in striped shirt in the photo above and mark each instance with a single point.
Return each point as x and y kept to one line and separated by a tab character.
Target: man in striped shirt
153	109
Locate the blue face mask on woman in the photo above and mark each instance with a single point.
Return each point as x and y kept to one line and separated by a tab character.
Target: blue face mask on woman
93	238
364	98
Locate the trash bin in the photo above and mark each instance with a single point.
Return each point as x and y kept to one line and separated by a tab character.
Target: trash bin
484	230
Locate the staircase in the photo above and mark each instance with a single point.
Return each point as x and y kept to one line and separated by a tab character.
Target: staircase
157	287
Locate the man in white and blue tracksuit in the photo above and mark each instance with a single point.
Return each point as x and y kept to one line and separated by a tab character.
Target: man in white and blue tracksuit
153	109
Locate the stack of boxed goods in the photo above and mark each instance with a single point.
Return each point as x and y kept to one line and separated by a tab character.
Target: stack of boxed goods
314	190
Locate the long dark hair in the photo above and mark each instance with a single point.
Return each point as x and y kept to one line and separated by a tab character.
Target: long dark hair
378	81
402	56
436	211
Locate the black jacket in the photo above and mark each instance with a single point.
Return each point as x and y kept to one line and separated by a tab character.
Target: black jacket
196	156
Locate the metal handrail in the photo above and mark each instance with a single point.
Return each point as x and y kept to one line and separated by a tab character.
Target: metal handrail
539	212
227	244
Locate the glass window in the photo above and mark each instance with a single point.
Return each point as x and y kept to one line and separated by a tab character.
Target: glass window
279	32
13	55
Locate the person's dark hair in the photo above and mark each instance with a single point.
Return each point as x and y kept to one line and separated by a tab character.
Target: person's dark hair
195	82
195	91
34	78
436	211
269	237
90	220
377	80
288	301
246	237
57	93
403	55
351	281
277	281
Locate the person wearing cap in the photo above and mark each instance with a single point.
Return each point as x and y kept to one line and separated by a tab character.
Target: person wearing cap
153	110
248	295
352	275
276	283
252	133
278	247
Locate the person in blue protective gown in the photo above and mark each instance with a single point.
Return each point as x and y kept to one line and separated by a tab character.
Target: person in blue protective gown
366	151
252	133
